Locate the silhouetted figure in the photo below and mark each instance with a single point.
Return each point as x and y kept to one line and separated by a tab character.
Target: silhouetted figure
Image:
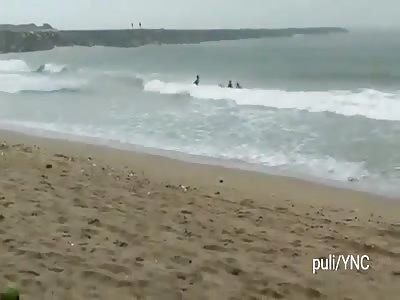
140	24
238	86
197	81
230	84
132	25
41	68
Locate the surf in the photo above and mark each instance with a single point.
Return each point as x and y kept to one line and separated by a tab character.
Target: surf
20	66
16	83
14	65
51	68
18	76
368	103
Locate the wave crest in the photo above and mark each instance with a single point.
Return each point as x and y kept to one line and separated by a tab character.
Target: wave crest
368	103
20	66
51	68
13	65
17	76
15	83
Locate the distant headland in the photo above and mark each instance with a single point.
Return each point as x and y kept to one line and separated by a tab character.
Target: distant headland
29	37
26	27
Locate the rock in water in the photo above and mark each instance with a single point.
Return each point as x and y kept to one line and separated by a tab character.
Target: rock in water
10	293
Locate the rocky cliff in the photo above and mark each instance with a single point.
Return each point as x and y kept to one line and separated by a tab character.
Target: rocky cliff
17	41
11	41
25	27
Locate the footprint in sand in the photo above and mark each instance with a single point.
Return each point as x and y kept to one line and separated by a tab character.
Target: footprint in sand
180	260
214	248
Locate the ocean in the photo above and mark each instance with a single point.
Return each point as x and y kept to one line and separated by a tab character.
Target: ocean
324	108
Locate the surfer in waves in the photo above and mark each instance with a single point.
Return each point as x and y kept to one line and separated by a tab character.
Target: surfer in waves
197	81
238	86
230	85
41	68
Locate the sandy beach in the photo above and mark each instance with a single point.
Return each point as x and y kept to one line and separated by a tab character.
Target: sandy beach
81	221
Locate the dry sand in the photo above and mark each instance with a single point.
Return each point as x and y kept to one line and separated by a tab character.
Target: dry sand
88	222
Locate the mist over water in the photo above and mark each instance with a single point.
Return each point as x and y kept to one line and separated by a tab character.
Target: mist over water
322	106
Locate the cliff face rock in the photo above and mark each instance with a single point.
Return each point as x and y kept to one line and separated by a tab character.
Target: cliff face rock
21	41
27	41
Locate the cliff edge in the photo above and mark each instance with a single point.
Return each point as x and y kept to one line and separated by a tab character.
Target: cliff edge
26	27
46	39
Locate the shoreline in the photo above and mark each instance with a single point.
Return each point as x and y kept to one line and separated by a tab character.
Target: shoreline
137	153
81	221
204	160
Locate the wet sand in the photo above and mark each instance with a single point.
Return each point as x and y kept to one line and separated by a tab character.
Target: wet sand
80	221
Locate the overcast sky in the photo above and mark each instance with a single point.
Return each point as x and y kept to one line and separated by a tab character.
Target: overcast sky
88	14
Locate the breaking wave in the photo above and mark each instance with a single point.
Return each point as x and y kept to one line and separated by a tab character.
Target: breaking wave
52	68
15	83
20	66
368	103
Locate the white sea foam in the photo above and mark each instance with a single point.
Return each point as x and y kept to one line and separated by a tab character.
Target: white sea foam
20	66
324	166
369	103
13	65
14	83
54	68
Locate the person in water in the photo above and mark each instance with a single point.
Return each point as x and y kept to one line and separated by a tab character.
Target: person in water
238	86
197	81
41	68
230	84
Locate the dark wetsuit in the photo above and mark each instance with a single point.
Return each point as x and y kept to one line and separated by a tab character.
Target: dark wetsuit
238	85
230	84
197	81
41	68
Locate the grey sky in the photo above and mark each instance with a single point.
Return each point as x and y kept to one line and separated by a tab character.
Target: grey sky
86	14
